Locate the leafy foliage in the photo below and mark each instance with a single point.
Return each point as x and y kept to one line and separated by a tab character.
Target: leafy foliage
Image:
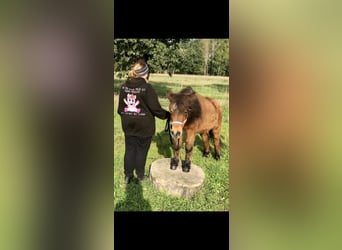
184	56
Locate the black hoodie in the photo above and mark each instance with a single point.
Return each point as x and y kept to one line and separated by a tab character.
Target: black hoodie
138	105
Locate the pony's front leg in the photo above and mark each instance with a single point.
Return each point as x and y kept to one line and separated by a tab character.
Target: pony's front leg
176	145
186	165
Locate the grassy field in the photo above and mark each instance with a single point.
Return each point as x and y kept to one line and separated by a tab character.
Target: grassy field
214	195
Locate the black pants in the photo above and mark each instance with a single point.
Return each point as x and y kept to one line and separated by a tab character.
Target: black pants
136	149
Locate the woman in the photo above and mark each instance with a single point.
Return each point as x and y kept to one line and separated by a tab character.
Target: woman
138	106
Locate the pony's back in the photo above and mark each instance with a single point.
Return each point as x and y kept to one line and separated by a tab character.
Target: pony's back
211	113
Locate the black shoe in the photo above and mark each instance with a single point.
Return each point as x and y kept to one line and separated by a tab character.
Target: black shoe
128	179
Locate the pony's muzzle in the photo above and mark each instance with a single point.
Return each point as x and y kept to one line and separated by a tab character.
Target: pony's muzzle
176	134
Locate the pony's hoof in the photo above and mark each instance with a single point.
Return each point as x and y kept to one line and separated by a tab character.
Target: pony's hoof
205	154
186	165
174	164
186	169
173	167
217	157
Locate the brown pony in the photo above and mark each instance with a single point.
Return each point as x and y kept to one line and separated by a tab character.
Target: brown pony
193	113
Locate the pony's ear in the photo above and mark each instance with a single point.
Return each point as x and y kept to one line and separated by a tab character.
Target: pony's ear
169	95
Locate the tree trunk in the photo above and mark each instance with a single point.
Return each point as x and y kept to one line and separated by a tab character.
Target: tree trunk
206	43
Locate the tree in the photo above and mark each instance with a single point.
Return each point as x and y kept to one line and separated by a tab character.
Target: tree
184	56
191	57
128	51
219	57
206	43
161	54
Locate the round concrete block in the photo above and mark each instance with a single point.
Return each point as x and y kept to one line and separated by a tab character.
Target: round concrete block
176	182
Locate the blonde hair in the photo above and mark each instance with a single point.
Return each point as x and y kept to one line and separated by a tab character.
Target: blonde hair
139	69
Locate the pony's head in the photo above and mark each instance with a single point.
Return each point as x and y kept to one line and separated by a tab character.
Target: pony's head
184	108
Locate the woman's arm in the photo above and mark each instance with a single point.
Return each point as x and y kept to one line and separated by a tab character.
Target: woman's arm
154	105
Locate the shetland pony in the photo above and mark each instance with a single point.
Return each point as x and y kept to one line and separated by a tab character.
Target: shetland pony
193	113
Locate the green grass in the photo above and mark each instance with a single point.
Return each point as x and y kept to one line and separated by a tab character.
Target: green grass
214	194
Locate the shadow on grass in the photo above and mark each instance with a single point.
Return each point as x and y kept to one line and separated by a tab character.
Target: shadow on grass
222	88
134	200
162	140
162	88
199	144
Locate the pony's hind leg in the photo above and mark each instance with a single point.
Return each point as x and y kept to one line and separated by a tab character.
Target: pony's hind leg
216	135
205	139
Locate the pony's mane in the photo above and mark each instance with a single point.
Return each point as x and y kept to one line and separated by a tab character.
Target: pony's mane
186	100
